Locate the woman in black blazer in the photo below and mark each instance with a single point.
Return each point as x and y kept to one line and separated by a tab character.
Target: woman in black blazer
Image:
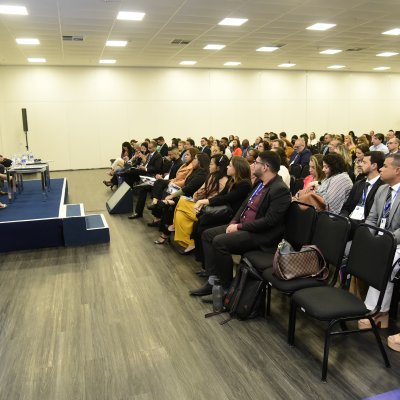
236	190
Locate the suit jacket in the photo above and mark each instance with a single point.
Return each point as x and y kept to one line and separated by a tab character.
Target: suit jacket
376	212
163	150
194	181
268	227
302	158
206	150
355	196
174	168
155	164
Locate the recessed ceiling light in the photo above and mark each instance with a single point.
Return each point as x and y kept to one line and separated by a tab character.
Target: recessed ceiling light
130	16
14	10
188	62
268	48
107	61
116	43
320	27
387	54
214	47
330	51
232	63
233	21
36	60
27	41
336	66
286	65
381	68
394	32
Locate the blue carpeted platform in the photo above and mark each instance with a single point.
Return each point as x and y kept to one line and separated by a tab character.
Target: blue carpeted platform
32	221
393	395
30	205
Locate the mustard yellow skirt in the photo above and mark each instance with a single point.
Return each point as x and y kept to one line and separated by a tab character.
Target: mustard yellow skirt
184	218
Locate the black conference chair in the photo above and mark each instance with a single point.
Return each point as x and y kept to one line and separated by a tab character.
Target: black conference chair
299	227
370	259
295	170
330	236
305	171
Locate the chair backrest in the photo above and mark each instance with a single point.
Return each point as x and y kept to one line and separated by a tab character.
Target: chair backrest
295	170
371	256
299	224
330	236
305	171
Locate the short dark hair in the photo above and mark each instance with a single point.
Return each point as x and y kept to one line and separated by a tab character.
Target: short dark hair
203	159
335	162
283	134
363	147
380	136
191	141
377	157
272	159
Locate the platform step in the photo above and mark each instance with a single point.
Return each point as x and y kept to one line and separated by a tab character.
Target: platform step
74	210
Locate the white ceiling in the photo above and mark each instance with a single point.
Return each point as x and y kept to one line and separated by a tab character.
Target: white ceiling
360	24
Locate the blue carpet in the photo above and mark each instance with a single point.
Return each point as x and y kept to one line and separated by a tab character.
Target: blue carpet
393	395
30	205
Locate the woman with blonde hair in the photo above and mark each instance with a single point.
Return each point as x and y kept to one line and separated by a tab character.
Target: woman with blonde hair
344	152
349	143
316	172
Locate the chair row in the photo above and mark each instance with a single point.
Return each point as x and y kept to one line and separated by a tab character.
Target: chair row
321	299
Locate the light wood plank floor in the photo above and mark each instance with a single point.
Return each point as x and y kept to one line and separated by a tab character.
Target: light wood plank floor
116	322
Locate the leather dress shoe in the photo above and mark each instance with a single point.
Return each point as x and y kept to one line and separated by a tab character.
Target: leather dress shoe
135	216
154	224
202	274
203	291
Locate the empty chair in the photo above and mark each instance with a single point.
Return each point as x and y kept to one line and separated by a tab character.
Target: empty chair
370	259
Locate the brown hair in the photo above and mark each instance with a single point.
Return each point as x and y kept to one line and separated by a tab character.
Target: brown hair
242	170
317	160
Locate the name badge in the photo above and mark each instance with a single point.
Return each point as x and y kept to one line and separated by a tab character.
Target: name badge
382	225
358	213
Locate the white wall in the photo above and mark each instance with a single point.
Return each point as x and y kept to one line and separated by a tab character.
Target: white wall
79	116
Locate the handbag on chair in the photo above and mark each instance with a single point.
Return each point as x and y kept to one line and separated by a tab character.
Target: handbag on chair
215	214
306	263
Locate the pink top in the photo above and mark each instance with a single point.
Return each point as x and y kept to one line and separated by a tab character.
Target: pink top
237	152
307	180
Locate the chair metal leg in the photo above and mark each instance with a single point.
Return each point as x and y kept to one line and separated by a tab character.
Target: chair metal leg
263	295
326	352
394	305
269	289
292	322
379	341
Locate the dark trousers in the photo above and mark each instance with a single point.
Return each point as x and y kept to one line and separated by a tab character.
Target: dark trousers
158	188
141	194
218	249
131	176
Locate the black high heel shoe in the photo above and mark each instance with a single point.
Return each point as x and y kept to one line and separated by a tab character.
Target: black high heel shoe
108	183
162	240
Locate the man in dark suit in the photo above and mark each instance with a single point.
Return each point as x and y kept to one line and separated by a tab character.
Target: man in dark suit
151	167
258	224
160	183
204	147
301	155
162	146
362	194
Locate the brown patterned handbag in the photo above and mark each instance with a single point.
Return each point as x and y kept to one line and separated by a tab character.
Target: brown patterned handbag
306	263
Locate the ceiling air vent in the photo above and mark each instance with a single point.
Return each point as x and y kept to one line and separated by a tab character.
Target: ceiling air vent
356	49
180	41
72	38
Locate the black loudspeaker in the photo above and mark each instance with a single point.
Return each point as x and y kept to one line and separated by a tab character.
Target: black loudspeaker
24	120
121	201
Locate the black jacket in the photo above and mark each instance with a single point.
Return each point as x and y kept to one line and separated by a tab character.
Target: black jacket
234	197
354	198
194	181
154	166
174	168
163	150
268	227
206	150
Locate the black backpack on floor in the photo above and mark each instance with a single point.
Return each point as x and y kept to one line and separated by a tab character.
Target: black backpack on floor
246	296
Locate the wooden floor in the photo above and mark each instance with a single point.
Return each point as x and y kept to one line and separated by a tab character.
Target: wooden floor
116	322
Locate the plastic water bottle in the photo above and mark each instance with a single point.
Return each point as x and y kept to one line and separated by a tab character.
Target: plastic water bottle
217	296
23	159
14	160
30	157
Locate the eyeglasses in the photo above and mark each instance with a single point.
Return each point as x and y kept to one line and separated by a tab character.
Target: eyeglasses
262	163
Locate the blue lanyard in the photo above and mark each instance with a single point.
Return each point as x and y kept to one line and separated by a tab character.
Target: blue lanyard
256	192
364	194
